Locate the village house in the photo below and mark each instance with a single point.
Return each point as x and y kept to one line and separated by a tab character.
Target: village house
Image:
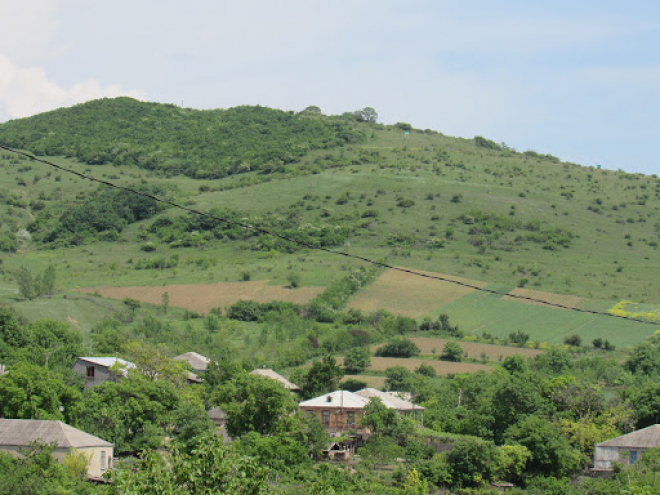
268	373
101	369
197	362
626	449
337	411
20	434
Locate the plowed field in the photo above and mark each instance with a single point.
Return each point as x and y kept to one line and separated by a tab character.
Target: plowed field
204	297
409	295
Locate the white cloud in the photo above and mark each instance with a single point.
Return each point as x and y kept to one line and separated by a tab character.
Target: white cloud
27	91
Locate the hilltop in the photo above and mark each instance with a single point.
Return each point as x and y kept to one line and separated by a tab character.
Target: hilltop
415	198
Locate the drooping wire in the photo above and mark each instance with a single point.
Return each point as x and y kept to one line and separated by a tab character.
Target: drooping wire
318	248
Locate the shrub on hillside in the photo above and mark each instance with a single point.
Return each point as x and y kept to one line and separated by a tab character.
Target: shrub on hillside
399	347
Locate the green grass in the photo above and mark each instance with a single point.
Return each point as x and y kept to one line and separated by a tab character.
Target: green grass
480	312
427	168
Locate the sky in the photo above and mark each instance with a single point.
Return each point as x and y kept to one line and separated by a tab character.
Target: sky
579	80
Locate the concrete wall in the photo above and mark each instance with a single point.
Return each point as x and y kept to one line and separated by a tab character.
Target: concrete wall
605	456
101	373
94	454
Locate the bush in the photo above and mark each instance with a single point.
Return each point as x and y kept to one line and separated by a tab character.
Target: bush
452	352
573	340
399	347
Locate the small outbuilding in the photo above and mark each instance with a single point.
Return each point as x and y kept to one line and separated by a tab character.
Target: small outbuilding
19	434
268	373
197	362
626	449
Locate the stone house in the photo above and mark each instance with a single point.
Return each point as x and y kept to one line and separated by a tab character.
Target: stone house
337	411
626	449
18	434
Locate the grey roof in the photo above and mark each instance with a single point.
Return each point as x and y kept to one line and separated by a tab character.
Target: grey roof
389	400
107	362
646	438
197	361
215	413
20	432
268	373
339	398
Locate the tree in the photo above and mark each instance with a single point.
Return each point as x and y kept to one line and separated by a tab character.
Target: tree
154	361
357	359
397	378
209	468
573	340
551	453
131	413
322	377
165	302
452	352
469	461
253	403
645	359
367	114
25	280
32	392
379	418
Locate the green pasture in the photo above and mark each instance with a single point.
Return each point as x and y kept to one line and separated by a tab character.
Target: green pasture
480	312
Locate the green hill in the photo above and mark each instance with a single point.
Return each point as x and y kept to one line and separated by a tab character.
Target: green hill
423	200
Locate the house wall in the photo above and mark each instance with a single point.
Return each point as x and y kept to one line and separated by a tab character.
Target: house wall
101	373
605	456
338	418
92	453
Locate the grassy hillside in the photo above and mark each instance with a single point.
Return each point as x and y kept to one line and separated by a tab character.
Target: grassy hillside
463	207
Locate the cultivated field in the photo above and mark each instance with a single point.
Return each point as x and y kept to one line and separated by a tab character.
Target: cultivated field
477	313
409	295
204	297
474	349
549	297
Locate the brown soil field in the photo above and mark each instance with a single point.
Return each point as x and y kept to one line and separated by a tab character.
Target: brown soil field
371	380
409	295
561	299
473	349
442	368
204	297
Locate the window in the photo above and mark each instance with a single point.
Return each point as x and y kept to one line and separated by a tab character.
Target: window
350	418
633	456
325	418
90	372
104	460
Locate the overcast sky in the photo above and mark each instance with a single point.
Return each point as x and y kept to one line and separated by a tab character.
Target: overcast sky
580	80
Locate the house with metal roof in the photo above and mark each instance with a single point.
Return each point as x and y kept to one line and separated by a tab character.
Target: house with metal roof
18	434
97	370
268	373
393	401
626	449
197	362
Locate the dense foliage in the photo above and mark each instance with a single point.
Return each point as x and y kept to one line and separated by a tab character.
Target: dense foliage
197	143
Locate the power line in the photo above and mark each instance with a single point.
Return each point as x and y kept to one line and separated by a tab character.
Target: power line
318	248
